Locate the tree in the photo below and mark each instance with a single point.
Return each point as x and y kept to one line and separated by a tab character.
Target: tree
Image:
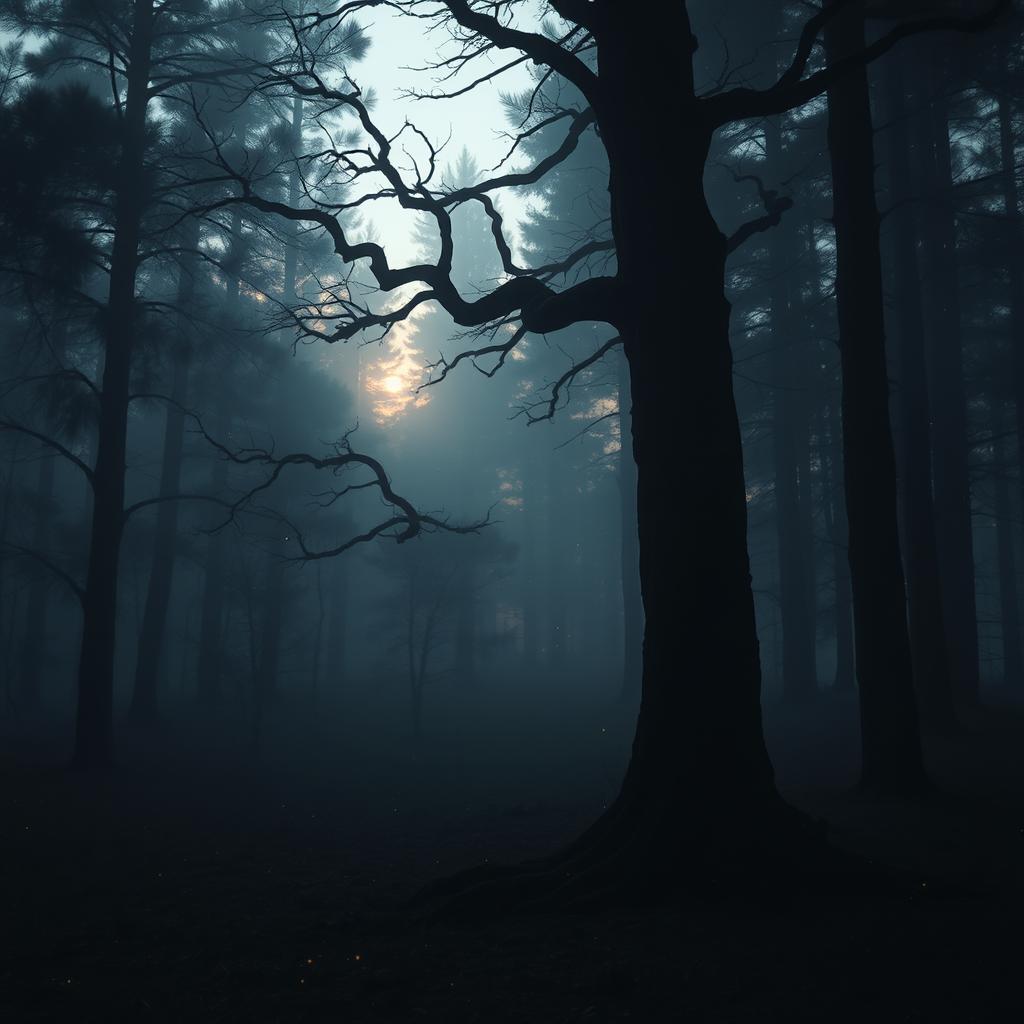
791	443
143	52
430	580
890	739
698	796
127	40
950	453
930	656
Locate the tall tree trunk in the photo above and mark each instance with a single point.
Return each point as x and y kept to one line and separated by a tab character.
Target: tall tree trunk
699	766
412	650
929	653
950	470
845	680
275	601
144	708
210	658
9	595
790	448
275	598
555	561
532	611
291	251
337	631
698	806
7	490
890	739
466	620
834	502
34	641
318	636
94	721
629	555
210	661
1014	255
1009	608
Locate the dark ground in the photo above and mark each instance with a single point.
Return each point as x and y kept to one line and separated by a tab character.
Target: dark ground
181	890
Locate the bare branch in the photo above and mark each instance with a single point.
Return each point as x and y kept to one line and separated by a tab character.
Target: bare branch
775	206
342	458
64	452
792	90
566	380
160	499
73	585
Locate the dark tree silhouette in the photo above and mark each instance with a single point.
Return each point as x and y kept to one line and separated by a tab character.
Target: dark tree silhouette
930	656
890	739
699	789
142	53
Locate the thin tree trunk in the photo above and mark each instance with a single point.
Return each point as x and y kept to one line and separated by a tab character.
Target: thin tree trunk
210	661
318	638
144	708
34	641
13	607
272	618
256	694
555	562
337	633
629	555
890	738
415	689
94	722
789	433
530	597
466	620
1014	255
834	503
6	672
1009	608
275	598
929	653
291	252
210	658
950	470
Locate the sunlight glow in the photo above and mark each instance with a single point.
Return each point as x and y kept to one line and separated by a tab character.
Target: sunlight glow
392	378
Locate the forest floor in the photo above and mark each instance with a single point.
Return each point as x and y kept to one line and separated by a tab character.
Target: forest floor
182	890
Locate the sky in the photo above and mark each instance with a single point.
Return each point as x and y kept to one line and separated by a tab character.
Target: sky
398	45
475	120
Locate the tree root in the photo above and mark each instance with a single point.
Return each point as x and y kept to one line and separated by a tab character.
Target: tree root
777	862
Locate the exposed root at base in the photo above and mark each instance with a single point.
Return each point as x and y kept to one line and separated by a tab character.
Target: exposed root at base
621	862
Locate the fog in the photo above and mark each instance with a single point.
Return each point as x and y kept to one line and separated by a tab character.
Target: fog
428	429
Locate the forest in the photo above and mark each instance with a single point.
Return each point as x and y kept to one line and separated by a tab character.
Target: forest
511	510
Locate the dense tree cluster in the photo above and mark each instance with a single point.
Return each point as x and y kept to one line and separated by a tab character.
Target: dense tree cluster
744	302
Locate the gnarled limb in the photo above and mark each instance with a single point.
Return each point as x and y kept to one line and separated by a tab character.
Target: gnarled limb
792	90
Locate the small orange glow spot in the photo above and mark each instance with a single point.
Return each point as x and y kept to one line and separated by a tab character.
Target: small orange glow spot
310	962
359	956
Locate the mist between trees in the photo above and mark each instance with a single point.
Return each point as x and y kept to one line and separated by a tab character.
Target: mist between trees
705	394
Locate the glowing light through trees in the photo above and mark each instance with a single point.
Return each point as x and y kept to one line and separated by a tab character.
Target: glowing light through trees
391	379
